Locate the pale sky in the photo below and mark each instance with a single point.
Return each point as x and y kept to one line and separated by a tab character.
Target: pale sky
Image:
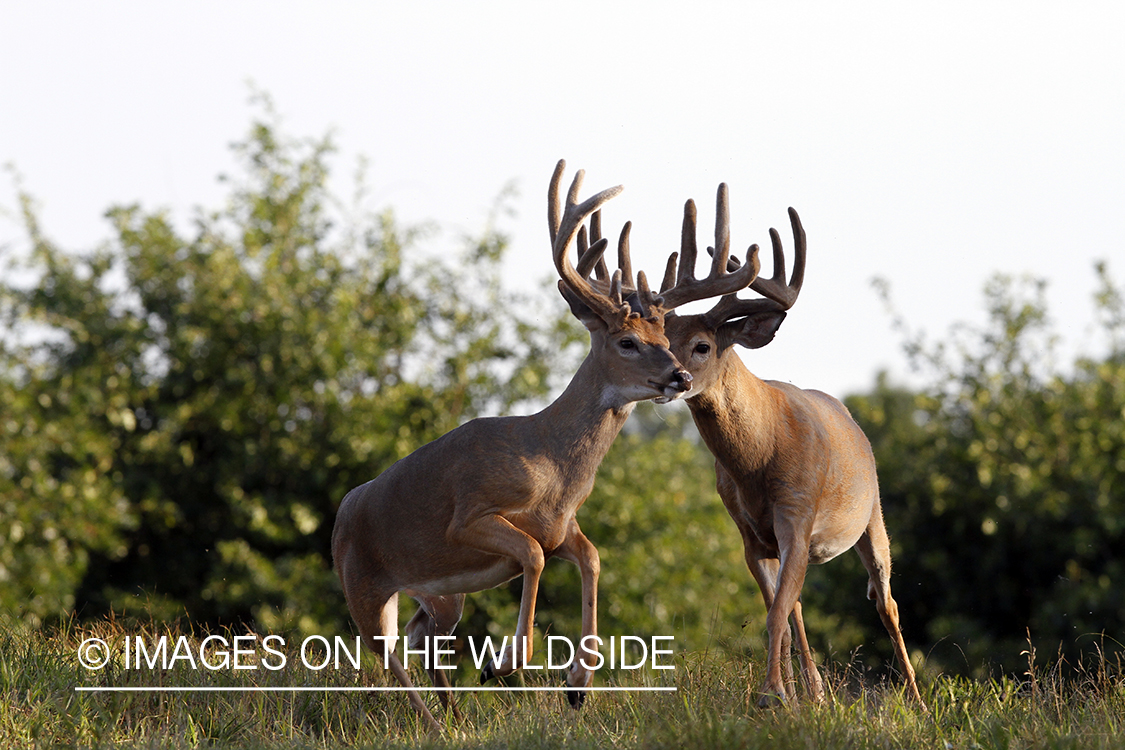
931	144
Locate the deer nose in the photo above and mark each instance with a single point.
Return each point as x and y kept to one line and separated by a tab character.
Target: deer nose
681	380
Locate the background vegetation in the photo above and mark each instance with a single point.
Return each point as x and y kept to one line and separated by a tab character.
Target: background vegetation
181	412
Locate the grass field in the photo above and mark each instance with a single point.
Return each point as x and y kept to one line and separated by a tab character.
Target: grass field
711	708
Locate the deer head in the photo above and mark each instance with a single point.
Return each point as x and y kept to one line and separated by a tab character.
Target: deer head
625	319
701	342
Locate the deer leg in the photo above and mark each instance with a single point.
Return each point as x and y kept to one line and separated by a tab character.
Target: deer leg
813	684
376	616
794	546
579	550
874	549
496	535
761	561
436	618
764	571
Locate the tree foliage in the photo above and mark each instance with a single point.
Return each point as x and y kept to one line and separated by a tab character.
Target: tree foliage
182	412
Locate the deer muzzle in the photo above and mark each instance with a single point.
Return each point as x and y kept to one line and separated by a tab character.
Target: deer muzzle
679	384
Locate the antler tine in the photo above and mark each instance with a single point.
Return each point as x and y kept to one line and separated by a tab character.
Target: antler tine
595	226
721	251
591	259
595	262
775	288
615	292
624	262
799	246
590	252
778	295
669	280
687	244
553	211
719	282
563	230
644	298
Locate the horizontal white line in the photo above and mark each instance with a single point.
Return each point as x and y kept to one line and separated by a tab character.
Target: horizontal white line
307	689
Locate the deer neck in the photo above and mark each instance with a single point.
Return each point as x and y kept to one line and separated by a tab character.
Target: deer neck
581	424
738	417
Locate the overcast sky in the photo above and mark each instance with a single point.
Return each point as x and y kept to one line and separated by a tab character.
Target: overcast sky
932	144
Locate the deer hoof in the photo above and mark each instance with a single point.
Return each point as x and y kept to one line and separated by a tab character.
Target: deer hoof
576	698
487	673
770	700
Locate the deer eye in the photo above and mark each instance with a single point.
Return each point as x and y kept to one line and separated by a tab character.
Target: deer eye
702	347
627	344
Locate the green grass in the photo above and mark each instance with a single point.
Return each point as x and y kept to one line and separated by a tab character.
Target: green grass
1056	707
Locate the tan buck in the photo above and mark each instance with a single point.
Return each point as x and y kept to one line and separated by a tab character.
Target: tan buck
794	470
495	498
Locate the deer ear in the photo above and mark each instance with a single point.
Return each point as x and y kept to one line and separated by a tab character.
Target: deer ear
754	331
580	310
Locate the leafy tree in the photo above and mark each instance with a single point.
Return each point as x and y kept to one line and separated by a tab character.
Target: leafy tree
183	412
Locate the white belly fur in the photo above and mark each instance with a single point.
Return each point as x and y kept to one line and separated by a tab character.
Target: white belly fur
466	583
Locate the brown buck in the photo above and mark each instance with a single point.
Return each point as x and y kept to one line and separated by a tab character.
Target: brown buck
793	469
495	498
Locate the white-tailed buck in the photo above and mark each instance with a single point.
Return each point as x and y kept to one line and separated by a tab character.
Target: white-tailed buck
495	498
794	470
